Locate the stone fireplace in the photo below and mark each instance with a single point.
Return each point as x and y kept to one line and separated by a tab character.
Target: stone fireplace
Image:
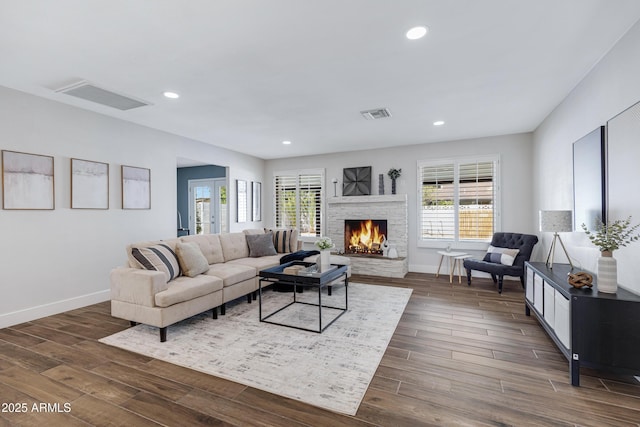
349	210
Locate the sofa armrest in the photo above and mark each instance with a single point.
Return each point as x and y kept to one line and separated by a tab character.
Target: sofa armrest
137	286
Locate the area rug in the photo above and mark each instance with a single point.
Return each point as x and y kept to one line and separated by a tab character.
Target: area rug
331	370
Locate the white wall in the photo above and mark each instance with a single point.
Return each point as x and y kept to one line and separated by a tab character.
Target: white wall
56	260
611	87
515	153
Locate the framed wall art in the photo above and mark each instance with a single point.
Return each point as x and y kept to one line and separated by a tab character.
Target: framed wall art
256	205
136	188
89	184
27	181
589	174
241	199
356	181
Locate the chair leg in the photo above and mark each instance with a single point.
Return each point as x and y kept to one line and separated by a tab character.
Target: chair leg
522	281
500	284
163	334
223	309
468	277
249	298
493	276
215	312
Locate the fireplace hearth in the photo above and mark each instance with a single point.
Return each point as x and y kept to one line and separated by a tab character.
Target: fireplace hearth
365	237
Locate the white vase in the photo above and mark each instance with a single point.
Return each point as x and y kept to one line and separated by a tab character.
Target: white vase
607	273
325	257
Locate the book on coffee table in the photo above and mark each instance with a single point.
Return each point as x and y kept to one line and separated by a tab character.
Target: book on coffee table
316	270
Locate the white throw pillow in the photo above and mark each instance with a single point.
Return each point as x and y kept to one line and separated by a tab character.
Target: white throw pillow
504	256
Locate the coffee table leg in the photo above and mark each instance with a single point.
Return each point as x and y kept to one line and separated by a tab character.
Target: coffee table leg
319	308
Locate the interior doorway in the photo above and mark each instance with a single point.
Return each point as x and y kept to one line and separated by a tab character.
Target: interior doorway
208	206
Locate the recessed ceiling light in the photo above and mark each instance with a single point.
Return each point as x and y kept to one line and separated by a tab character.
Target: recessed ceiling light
438	123
171	95
286	142
416	33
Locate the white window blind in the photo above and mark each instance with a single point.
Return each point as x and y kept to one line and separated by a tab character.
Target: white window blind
299	201
458	199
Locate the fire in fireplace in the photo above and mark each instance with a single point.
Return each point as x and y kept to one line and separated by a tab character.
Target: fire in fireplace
364	236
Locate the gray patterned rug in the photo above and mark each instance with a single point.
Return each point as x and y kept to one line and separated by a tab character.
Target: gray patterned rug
331	370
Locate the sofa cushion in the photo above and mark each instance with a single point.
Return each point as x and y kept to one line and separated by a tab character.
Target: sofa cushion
284	241
209	246
231	273
192	261
234	246
187	288
158	257
260	245
259	263
504	256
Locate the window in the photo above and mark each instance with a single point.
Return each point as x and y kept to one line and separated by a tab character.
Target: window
299	200
458	200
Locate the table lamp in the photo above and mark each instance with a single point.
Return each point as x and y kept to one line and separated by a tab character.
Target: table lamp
556	222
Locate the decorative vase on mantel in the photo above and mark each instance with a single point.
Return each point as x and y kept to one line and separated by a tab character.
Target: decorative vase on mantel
607	273
393	186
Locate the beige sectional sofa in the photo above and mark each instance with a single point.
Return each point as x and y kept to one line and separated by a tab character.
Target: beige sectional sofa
170	280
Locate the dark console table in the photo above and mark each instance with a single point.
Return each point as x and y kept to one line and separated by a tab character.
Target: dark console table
592	329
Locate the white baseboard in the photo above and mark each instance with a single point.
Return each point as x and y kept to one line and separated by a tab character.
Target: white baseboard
432	269
33	313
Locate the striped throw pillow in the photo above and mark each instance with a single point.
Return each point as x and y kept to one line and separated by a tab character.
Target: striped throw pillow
285	241
158	258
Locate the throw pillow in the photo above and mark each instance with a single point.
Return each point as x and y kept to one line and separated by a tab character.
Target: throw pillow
261	245
504	256
285	241
191	259
158	257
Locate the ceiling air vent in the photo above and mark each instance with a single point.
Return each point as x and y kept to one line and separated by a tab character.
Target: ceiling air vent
378	113
91	92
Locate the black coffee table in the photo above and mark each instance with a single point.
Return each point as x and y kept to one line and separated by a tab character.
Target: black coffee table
317	280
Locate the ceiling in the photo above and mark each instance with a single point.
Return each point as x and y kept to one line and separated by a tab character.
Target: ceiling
252	73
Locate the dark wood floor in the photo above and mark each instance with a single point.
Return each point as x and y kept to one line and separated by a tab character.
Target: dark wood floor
460	356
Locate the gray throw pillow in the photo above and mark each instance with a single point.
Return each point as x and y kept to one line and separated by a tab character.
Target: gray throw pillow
191	259
261	245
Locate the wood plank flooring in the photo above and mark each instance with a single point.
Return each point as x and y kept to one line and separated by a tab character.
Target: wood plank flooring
460	356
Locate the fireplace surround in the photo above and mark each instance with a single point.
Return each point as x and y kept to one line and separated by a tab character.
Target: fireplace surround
394	209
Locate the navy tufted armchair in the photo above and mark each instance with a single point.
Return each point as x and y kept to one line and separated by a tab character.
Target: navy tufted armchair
523	242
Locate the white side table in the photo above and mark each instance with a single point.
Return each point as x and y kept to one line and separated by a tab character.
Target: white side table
452	260
460	260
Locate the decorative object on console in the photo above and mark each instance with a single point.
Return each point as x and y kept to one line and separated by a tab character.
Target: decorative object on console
556	222
580	280
609	237
394	174
381	184
356	181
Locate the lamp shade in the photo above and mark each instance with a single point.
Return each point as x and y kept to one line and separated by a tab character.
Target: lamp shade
556	221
